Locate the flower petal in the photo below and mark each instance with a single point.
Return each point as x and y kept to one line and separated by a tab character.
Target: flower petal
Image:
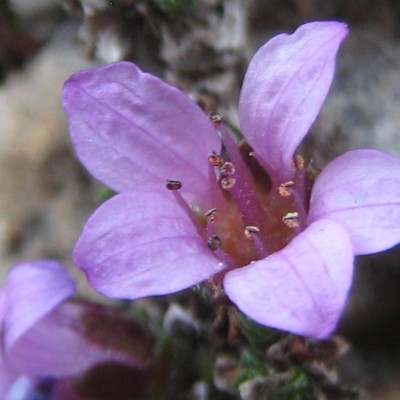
32	290
2	305
361	190
7	375
141	244
56	346
132	130
25	389
302	288
7	378
283	91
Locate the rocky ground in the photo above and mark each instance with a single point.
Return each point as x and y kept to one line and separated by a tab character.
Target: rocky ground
45	196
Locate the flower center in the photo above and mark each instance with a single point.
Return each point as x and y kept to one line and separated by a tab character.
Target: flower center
250	219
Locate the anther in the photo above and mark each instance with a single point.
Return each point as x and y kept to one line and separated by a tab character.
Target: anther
215	118
299	161
249	231
214	242
215	160
173	184
211	214
284	188
227	168
228	183
291	219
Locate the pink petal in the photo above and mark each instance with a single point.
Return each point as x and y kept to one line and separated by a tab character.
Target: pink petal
32	290
302	288
131	130
141	244
283	91
361	190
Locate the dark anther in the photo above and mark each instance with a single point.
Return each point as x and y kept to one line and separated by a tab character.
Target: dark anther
173	184
214	242
215	118
215	160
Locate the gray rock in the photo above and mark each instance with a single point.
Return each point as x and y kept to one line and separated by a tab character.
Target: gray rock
362	108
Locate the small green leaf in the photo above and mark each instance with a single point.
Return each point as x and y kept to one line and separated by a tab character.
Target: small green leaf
251	366
297	387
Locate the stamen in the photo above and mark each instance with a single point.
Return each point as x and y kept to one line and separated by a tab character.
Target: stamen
210	229
228	183
291	219
299	178
215	160
284	189
214	242
228	168
251	232
215	118
173	184
299	161
214	239
211	214
216	195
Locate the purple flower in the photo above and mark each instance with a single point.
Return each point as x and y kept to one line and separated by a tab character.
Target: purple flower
282	244
44	336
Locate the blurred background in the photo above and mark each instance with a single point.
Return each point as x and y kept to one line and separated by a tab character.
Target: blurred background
202	47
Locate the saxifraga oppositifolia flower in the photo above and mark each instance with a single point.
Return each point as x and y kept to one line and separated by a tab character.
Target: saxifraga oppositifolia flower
194	205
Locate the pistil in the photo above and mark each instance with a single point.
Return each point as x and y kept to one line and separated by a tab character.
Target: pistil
252	232
237	178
